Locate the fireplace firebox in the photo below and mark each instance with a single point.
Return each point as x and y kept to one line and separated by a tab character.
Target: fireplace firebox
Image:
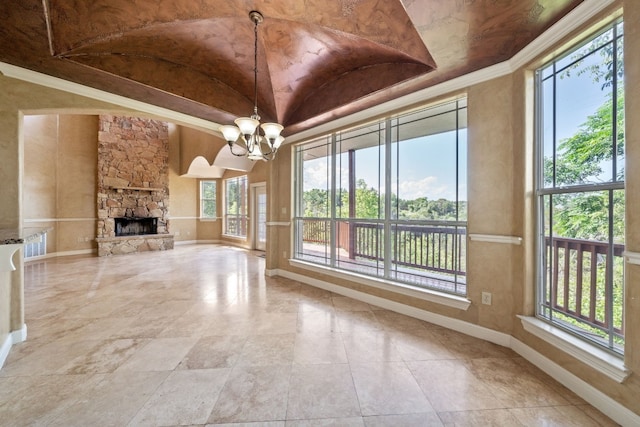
136	226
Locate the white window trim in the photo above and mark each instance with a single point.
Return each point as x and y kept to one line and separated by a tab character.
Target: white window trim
589	354
424	294
200	216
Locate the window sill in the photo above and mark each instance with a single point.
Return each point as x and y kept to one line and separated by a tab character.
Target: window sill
589	354
442	298
207	219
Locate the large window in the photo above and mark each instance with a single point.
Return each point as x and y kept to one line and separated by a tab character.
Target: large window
208	199
235	214
388	199
580	190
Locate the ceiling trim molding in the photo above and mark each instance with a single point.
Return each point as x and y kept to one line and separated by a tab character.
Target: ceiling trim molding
570	22
558	31
45	80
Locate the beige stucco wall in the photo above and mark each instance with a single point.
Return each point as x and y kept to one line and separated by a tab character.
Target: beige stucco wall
60	161
183	192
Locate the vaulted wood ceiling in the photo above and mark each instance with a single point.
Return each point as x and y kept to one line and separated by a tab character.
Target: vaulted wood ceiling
317	59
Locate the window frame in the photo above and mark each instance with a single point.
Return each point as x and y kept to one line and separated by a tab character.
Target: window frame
545	311
203	216
387	271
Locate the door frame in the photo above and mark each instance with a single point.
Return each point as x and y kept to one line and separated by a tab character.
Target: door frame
254	213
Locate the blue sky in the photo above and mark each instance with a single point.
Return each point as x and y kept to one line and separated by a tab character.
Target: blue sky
427	168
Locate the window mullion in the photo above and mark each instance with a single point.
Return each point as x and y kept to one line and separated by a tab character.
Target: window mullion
332	227
387	199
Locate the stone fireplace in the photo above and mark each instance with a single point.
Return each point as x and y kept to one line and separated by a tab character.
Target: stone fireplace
133	187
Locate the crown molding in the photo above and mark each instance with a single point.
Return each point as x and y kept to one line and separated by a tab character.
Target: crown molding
45	80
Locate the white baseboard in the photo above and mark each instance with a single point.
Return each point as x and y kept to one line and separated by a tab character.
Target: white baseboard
437	319
20	335
586	391
11	338
601	401
184	242
4	349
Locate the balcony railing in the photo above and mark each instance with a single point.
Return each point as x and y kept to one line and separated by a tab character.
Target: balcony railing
438	249
236	225
577	282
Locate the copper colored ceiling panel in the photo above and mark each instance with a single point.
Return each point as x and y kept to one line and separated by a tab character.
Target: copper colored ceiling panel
317	60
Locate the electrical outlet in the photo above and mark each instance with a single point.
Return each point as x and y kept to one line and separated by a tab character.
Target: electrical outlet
486	298
284	254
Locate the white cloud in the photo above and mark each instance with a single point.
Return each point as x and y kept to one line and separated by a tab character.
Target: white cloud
428	187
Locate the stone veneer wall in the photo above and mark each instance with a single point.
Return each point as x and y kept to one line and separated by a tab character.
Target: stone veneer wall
133	178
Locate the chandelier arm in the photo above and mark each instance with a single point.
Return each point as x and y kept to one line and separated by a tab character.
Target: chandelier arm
231	145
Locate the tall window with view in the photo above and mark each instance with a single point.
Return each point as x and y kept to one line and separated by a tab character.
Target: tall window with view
580	190
388	199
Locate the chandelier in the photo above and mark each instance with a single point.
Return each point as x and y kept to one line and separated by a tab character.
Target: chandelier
245	139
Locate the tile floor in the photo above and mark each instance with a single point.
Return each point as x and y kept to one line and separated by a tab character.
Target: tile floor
199	336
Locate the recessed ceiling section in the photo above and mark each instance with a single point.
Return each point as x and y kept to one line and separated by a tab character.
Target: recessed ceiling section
318	60
203	51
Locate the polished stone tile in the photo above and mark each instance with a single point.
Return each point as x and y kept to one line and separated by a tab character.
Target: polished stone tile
49	358
160	354
421	344
214	352
351	322
328	422
185	397
566	416
397	322
349	304
317	323
114	401
256	424
199	335
450	386
264	350
483	418
596	415
38	400
310	349
429	419
253	393
514	386
322	391
388	388
105	357
371	346
465	346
